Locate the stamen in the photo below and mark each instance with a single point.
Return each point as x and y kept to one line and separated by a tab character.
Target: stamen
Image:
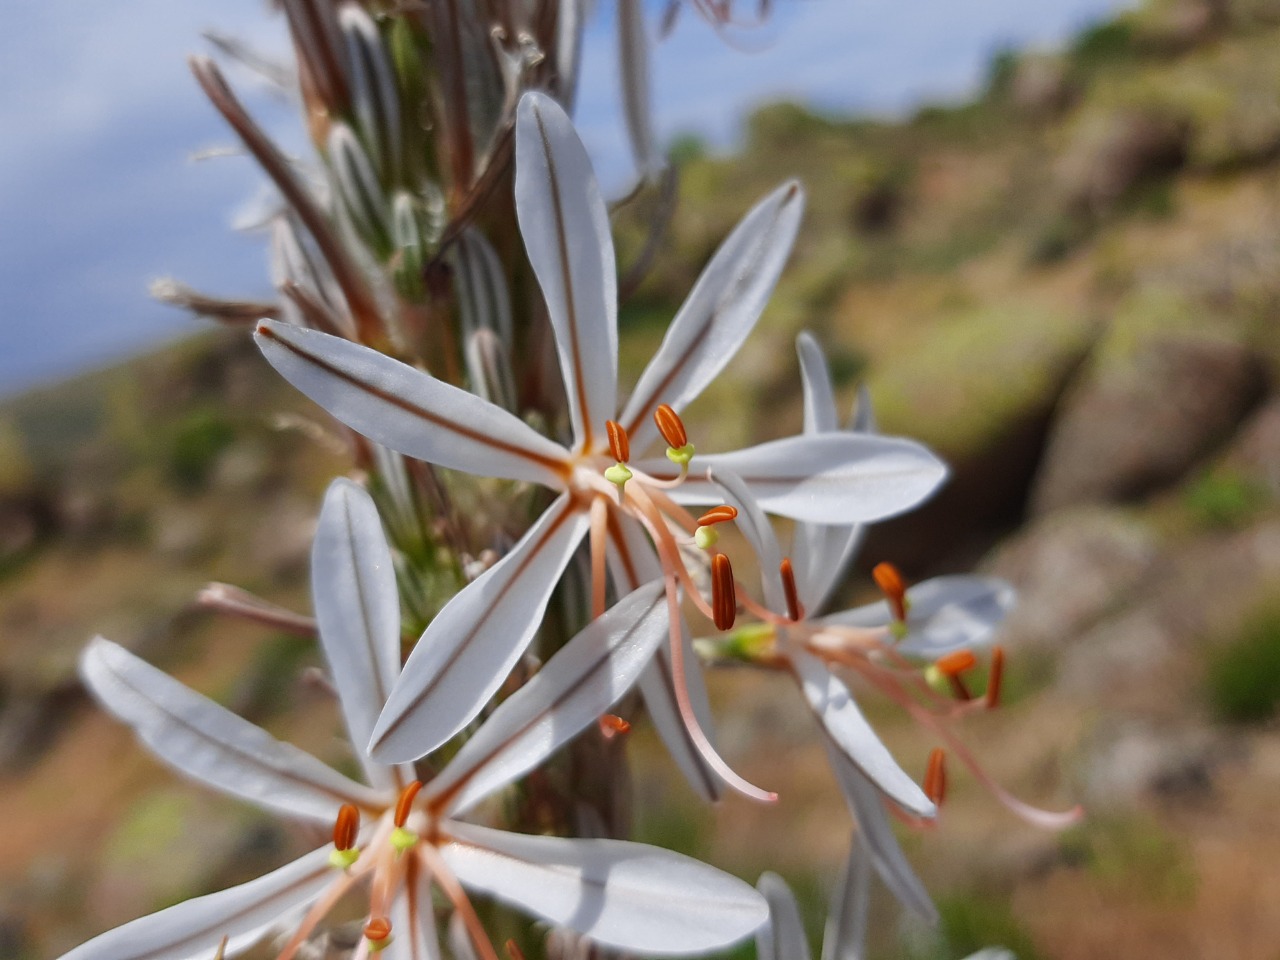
670	426
894	588
378	932
724	599
935	777
345	829
953	664
222	948
611	725
619	442
721	514
795	611
405	804
994	677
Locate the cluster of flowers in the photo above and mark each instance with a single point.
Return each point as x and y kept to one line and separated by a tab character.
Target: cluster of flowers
418	835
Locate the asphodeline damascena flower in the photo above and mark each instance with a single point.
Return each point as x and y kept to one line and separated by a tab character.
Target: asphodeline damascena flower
467	651
395	835
844	936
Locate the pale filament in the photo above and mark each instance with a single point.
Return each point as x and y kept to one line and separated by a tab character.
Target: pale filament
443	877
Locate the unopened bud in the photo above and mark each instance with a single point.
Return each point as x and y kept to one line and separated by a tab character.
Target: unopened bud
724	599
358	186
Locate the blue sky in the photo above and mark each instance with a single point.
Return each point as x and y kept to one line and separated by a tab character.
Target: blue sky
98	194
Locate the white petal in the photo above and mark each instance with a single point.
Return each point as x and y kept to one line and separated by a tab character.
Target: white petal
625	895
353	588
845	935
835	709
719	312
946	614
632	561
193	929
566	233
782	938
202	740
876	834
413	918
472	644
633	59
754	525
581	682
822	551
824	478
819	398
410	411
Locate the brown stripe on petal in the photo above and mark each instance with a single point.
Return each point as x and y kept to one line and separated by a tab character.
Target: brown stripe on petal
724	599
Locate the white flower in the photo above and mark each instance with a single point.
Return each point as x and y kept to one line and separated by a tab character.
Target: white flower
463	657
626	895
845	935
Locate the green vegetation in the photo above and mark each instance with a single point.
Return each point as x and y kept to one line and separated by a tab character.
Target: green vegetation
1132	854
972	921
1223	500
1243	677
194	448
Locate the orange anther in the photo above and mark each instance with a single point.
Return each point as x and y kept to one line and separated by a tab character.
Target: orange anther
346	827
721	514
670	426
935	777
619	442
405	804
724	600
894	588
994	677
377	929
795	612
612	725
955	663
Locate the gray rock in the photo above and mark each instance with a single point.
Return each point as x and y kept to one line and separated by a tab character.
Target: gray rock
1070	570
1135	423
1129	760
1113	152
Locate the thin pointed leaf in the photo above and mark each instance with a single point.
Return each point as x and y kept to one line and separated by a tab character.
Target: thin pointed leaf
410	411
833	705
353	586
876	833
625	895
825	478
581	682
631	562
197	737
783	937
945	614
472	644
566	233
719	312
754	525
192	929
845	935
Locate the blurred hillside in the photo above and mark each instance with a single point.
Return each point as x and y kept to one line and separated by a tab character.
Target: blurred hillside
1069	288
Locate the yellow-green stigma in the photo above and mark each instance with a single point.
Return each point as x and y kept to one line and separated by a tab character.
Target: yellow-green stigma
680	456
